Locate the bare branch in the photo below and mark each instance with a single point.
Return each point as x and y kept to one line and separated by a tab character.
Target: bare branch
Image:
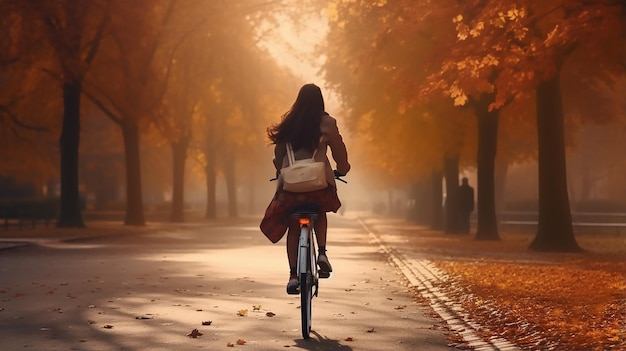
95	100
98	102
98	37
16	121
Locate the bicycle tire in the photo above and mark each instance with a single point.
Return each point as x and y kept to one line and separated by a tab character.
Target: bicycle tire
306	298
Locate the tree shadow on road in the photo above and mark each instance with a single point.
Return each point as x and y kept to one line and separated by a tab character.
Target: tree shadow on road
319	342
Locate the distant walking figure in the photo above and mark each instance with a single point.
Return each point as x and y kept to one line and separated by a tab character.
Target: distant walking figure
466	205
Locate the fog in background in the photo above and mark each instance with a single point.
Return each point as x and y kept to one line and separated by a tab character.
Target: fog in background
220	74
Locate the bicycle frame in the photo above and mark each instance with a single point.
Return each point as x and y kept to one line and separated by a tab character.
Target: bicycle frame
307	245
307	268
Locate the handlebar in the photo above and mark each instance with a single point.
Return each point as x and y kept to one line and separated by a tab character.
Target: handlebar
338	176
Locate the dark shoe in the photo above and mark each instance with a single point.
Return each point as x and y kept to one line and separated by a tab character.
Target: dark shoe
293	287
322	262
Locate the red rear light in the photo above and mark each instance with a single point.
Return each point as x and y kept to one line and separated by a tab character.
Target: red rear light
304	220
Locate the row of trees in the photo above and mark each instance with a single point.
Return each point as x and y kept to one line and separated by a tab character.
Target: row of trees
187	74
412	73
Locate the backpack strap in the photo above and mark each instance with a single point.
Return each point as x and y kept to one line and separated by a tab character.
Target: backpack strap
292	157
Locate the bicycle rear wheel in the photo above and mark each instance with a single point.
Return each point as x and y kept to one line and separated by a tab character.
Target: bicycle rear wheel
306	297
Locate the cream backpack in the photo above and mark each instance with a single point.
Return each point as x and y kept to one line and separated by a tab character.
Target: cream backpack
303	175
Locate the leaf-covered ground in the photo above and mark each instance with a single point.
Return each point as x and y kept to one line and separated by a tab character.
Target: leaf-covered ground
540	301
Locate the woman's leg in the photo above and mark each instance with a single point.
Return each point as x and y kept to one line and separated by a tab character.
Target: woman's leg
293	237
321	227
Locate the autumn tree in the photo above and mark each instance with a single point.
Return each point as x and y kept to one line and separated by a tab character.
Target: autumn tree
129	83
217	75
540	39
242	85
501	53
371	57
186	58
73	31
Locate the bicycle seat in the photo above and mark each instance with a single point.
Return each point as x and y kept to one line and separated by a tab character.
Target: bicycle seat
308	210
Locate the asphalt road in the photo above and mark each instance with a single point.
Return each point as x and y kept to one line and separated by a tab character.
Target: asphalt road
148	289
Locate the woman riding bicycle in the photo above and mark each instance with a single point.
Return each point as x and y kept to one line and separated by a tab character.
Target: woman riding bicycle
308	127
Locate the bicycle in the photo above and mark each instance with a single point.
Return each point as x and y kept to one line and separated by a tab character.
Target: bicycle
307	272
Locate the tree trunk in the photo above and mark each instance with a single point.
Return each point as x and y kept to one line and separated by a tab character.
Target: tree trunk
211	183
554	231
487	228
179	157
437	201
414	196
451	170
134	199
418	208
231	186
69	212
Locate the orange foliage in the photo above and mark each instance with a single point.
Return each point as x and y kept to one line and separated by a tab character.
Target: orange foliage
580	305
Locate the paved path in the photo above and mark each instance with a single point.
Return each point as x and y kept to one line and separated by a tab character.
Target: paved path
146	289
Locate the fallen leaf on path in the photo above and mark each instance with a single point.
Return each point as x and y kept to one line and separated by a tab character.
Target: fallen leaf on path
230	344
270	314
400	307
207	322
241	342
370	330
107	326
349	339
256	308
194	334
242	313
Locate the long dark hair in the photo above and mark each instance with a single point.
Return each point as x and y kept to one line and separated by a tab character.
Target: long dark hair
300	126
